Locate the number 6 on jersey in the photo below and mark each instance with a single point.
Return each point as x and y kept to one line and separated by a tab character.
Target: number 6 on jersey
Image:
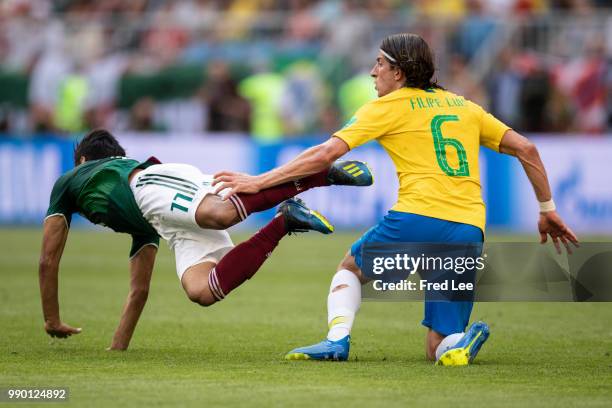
440	143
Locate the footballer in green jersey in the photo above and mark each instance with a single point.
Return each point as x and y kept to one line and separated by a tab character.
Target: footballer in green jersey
178	203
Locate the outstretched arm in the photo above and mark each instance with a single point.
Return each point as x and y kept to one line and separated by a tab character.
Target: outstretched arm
141	269
550	223
55	233
311	161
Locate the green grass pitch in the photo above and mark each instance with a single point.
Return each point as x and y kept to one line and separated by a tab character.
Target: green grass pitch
539	354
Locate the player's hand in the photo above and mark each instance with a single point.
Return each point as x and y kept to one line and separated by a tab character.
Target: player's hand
550	223
235	183
59	329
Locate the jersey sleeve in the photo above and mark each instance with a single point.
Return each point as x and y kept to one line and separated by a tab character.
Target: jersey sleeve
492	130
61	202
140	241
370	122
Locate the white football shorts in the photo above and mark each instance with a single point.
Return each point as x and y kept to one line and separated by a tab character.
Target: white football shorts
168	196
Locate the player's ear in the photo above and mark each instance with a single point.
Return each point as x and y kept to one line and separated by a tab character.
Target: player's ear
398	75
82	160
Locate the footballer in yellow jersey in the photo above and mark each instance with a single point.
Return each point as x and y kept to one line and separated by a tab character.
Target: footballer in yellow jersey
433	137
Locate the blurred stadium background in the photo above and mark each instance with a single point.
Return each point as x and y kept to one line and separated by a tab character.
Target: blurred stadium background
245	85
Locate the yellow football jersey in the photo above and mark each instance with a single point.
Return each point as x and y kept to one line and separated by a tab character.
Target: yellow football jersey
433	137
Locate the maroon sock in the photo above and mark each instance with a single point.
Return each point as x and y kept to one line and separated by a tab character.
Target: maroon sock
245	259
249	203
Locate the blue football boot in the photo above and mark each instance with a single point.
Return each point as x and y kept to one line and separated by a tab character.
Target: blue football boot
299	218
466	349
325	350
350	173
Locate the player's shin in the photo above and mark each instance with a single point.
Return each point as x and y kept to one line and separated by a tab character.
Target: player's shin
242	262
342	304
247	204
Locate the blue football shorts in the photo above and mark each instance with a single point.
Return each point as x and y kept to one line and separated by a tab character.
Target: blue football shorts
444	317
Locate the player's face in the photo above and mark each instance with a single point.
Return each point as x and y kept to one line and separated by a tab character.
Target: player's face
387	78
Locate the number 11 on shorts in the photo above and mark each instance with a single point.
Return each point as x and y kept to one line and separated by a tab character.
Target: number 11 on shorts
176	205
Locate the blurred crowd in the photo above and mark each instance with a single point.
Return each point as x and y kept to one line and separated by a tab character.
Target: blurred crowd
286	68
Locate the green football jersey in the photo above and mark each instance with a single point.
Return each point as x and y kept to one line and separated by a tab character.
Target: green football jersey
99	190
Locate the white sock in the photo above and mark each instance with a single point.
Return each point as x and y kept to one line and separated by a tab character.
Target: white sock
447	343
343	304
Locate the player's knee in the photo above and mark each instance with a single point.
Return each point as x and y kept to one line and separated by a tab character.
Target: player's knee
220	218
430	349
226	220
348	263
193	296
202	300
205	301
430	352
201	297
432	341
214	213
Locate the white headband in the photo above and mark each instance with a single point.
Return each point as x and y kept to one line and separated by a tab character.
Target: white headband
390	58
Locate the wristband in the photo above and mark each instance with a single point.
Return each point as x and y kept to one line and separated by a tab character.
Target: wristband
547	206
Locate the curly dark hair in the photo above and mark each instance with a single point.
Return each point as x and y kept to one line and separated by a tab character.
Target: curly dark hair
97	144
414	57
